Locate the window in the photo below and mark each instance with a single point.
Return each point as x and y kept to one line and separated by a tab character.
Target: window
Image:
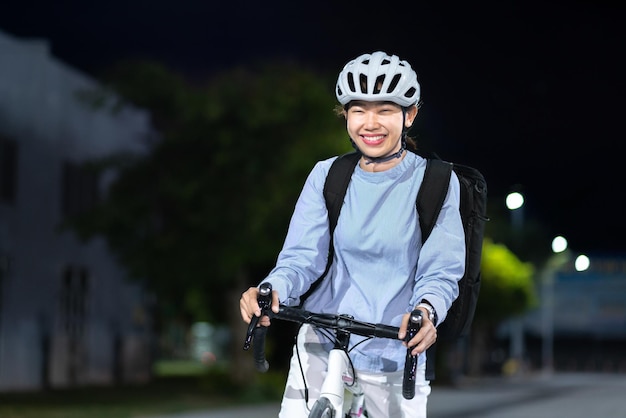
4	270
74	292
80	189
8	170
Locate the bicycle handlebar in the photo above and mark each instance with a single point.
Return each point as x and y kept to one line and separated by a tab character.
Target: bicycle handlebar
335	322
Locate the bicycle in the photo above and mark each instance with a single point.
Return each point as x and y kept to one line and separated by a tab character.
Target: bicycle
340	377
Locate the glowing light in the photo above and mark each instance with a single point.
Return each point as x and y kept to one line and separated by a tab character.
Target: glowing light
559	244
514	200
582	263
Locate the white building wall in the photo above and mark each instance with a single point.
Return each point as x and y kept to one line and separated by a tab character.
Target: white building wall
41	110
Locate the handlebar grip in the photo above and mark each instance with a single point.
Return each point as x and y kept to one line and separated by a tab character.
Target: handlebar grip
410	365
258	351
264	300
257	334
386	331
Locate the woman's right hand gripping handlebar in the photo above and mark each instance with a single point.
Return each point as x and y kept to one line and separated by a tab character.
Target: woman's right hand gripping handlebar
250	308
255	304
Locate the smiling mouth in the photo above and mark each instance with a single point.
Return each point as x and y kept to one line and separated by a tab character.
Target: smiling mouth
373	140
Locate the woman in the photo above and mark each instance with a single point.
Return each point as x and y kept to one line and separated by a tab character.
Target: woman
380	270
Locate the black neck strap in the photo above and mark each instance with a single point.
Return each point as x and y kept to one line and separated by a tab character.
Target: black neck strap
378	160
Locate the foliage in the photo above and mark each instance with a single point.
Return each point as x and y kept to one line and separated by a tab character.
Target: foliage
162	396
211	203
507	287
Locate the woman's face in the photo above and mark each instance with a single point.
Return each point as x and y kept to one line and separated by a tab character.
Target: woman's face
376	127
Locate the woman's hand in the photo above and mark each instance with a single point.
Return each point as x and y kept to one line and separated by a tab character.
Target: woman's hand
249	306
426	336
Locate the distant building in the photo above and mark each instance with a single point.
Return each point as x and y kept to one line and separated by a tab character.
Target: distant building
67	314
583	313
592	303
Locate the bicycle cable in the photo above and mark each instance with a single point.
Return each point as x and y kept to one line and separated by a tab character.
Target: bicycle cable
328	335
332	339
306	388
347	351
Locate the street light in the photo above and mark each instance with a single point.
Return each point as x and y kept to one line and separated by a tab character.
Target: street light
561	256
582	263
515	203
514	200
559	246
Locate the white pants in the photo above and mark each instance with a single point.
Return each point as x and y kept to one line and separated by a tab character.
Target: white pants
383	391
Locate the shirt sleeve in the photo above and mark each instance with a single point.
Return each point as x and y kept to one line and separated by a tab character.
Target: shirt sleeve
303	257
441	262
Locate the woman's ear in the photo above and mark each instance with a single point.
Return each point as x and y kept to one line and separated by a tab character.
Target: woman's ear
411	114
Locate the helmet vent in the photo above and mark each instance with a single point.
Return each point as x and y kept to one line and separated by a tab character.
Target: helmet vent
394	83
410	92
379	84
363	83
351	82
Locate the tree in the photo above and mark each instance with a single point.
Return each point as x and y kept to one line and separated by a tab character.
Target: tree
507	284
204	215
507	289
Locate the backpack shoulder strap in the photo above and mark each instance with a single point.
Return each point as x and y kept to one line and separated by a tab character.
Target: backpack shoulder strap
432	193
430	199
335	187
336	184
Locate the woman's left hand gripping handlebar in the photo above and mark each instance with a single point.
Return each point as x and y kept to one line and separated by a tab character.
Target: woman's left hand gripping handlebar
425	337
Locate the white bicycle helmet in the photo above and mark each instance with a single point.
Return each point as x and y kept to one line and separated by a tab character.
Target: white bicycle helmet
378	77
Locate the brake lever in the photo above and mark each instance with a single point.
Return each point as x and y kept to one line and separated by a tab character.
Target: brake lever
264	299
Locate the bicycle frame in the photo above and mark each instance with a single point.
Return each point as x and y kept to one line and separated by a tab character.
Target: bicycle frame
339	378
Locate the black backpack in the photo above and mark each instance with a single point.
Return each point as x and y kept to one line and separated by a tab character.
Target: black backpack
432	193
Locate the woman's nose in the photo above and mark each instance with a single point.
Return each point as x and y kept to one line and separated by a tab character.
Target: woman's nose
371	119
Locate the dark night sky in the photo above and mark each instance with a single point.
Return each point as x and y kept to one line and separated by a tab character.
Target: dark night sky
529	92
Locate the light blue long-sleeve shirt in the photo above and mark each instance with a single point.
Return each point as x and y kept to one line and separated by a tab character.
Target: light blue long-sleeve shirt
380	269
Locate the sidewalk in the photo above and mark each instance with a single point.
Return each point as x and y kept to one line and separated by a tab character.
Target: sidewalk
561	395
253	411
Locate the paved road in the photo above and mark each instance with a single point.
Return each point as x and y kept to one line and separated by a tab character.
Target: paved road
558	396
